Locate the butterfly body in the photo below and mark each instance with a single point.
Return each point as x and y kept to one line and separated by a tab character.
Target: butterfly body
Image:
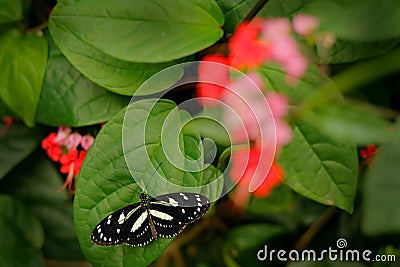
140	223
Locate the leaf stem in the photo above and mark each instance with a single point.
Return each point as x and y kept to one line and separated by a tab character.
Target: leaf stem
37	29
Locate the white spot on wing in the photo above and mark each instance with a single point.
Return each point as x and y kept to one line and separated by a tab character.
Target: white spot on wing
161	215
173	202
139	222
121	218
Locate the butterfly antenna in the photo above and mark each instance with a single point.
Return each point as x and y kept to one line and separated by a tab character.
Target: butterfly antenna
158	166
115	181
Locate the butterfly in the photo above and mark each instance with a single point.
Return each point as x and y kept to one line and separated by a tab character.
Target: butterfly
140	223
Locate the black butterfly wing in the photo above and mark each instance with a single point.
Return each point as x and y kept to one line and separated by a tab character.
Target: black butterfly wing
138	231
112	230
164	221
172	212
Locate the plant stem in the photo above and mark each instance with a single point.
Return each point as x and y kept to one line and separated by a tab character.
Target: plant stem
305	239
257	7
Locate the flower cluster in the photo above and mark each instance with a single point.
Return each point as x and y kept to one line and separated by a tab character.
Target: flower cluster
368	153
259	113
69	149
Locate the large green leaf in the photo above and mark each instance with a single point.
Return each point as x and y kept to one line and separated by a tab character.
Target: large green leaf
282	8
118	76
16	143
5	111
138	31
358	20
10	11
381	214
96	196
22	64
351	122
320	168
235	11
349	51
36	182
275	79
21	234
68	98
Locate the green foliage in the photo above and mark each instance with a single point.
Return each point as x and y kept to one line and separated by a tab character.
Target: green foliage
347	20
16	143
10	11
26	56
36	183
235	11
21	234
68	98
381	190
126	22
320	168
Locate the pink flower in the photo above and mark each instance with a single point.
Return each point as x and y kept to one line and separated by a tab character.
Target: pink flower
247	114
284	48
62	134
279	108
87	142
304	24
72	141
246	109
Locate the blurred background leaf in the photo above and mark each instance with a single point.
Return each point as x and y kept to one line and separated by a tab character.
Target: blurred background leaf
36	182
21	234
22	55
381	189
16	143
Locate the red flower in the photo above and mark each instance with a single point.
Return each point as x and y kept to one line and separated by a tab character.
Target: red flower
368	155
273	179
74	159
244	176
213	78
246	49
53	150
8	120
71	165
368	152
